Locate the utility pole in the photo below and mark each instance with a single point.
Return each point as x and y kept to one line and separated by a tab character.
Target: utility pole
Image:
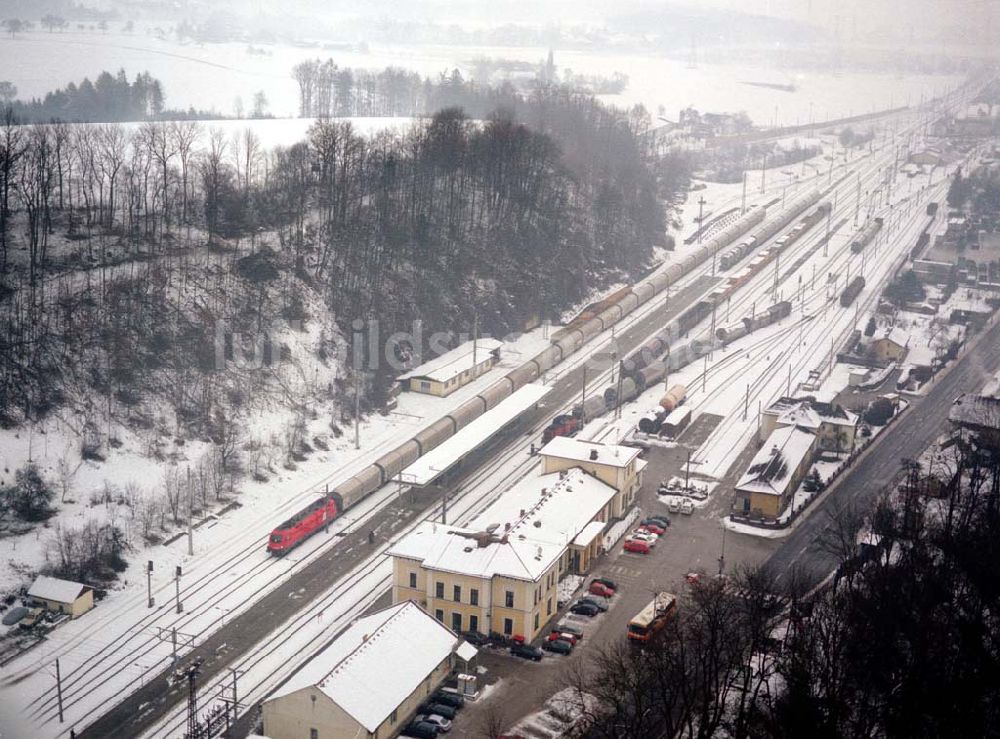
857	202
701	218
788	386
711	334
704	375
826	241
687	471
475	340
177	584
190	516
357	411
583	397
149	585
743	202
763	170
59	690
746	402
191	673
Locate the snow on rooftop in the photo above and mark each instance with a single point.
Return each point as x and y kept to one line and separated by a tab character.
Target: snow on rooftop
976	410
579	450
372	667
454	362
802	416
520	536
426	469
52	588
773	466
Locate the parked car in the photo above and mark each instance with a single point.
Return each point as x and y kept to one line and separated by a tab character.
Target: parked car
605	581
584	609
661	521
653	528
636	546
570	629
556	635
443	724
674	505
421	730
475	638
14	615
644	536
452	700
687	506
558	646
526	651
601	606
35	616
599	588
432	706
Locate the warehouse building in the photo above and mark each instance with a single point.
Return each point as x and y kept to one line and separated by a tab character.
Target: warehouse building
370	681
61	596
453	369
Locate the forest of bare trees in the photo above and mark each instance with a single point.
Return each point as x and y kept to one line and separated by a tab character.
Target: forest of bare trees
900	643
122	248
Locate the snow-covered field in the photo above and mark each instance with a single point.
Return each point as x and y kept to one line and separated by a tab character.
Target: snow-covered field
211	76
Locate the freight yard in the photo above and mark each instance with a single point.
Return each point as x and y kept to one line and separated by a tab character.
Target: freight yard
672	430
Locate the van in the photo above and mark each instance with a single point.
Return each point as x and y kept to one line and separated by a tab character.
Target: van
34	617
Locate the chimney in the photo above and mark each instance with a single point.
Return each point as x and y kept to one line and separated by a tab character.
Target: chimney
506	526
522	513
593	454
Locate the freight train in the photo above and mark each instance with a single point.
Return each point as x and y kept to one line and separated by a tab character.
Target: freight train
866	235
736	254
752	323
563	344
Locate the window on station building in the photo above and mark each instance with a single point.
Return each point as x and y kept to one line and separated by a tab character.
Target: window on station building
439	590
508	599
413	579
474	597
457	592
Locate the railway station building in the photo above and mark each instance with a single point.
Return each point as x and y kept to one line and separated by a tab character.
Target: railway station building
370	681
453	369
500	573
767	487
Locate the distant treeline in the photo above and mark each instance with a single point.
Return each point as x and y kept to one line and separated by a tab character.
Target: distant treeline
326	90
109	99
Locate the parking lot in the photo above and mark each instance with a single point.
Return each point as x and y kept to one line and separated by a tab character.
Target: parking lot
516	687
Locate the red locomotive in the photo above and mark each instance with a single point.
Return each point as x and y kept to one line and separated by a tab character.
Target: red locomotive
304	524
561	426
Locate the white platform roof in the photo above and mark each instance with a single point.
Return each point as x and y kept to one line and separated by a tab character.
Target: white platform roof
532	524
579	450
372	667
441	458
454	362
590	532
52	588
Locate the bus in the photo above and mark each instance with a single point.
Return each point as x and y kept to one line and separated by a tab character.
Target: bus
651	619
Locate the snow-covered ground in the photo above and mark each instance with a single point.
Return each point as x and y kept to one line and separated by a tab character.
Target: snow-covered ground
212	76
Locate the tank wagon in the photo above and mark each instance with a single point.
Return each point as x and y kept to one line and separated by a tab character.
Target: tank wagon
852	291
564	343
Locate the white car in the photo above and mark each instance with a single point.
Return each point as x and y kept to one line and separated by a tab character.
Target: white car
440	721
644	536
673	505
687	506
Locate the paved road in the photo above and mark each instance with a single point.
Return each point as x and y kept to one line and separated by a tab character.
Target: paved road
151	702
916	431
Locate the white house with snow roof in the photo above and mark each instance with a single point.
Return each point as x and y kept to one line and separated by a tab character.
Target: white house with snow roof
370	681
767	486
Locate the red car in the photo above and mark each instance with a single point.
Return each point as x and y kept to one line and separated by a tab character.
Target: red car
562	636
637	545
653	529
599	588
